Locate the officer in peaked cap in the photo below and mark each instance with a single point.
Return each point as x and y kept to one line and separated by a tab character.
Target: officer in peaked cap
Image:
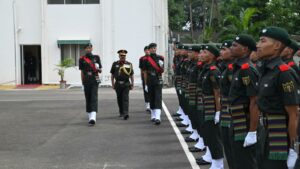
122	81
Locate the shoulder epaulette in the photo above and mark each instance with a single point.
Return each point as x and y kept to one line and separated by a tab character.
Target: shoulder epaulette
213	68
230	66
245	66
199	63
284	67
292	63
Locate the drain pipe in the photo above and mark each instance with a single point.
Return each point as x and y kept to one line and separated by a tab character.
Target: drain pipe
15	38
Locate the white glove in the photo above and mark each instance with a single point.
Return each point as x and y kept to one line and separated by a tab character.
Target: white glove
97	66
217	117
161	63
146	88
180	92
82	88
250	139
292	158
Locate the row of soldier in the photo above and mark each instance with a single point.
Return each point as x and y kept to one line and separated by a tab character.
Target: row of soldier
244	108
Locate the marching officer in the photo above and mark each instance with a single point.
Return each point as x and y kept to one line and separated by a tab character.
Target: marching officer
122	81
225	118
154	67
90	66
242	101
141	66
278	101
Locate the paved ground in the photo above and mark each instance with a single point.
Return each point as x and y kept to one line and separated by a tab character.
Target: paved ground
48	130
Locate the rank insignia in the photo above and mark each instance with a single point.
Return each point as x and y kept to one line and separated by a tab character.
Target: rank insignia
288	87
246	80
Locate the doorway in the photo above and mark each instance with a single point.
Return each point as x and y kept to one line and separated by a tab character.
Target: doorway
31	67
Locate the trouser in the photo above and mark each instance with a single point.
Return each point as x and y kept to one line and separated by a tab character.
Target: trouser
227	137
267	163
212	137
260	146
155	95
193	116
146	95
91	96
122	91
245	156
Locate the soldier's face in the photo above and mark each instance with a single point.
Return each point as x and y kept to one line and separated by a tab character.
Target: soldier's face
207	56
88	49
122	56
286	52
253	56
152	50
225	54
267	47
238	50
147	52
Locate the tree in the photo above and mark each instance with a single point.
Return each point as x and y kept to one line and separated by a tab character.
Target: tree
177	17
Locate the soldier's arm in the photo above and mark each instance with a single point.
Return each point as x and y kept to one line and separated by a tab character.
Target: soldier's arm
254	113
293	122
145	77
217	99
112	77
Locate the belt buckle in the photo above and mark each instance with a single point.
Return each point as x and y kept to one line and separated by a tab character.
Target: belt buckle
89	73
121	82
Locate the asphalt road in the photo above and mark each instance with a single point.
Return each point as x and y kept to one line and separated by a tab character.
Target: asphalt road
48	130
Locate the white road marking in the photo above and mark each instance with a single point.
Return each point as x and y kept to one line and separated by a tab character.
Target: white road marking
184	145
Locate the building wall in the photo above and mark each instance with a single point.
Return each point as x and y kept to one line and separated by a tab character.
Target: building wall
110	25
7	50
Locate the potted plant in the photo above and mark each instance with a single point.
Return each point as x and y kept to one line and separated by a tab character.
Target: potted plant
64	64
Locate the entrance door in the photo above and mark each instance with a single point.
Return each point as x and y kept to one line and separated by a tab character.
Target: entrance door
31	68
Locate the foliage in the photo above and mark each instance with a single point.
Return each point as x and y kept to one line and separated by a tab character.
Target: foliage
63	65
177	16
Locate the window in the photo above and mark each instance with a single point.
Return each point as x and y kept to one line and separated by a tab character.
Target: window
56	1
91	1
72	51
73	1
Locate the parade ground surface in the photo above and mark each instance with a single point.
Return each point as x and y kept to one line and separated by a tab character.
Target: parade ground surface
47	129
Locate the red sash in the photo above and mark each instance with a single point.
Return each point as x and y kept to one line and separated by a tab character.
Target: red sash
154	65
90	63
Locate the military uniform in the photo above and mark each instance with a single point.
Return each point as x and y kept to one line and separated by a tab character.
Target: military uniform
122	71
154	67
243	86
278	88
226	119
141	66
90	66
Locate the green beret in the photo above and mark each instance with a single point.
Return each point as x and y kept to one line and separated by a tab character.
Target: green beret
293	45
186	47
246	40
190	48
146	48
212	49
226	44
152	45
276	33
88	45
196	48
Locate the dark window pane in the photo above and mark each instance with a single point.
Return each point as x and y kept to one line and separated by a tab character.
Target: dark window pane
55	1
73	1
91	1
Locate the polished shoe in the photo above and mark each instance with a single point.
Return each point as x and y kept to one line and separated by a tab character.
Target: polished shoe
185	132
178	119
157	122
121	115
181	125
201	161
153	119
148	111
188	139
92	122
195	149
126	117
176	115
